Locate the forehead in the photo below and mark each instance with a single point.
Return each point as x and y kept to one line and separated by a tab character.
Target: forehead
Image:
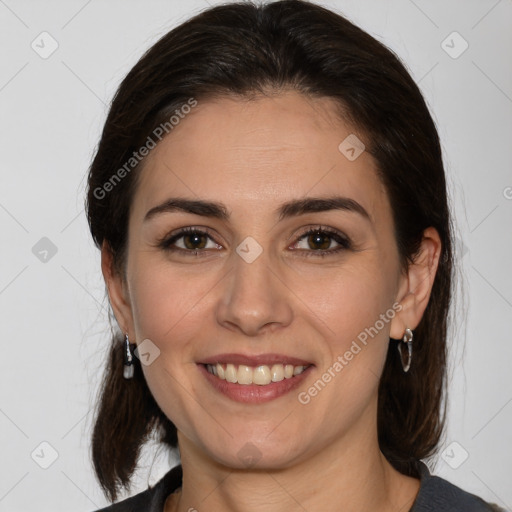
253	154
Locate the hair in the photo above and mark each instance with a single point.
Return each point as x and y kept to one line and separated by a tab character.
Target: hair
241	50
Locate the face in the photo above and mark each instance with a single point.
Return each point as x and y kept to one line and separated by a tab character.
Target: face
252	286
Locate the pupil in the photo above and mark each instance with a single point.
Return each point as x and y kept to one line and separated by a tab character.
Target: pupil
196	237
317	239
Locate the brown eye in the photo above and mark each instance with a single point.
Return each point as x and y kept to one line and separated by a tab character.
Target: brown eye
317	242
194	240
191	241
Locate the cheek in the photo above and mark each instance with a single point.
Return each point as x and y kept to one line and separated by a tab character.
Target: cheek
166	302
353	310
168	309
349	300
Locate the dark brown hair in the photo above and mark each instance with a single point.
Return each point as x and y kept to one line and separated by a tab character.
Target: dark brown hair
243	49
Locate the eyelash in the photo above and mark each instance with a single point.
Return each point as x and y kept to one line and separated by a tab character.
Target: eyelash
345	243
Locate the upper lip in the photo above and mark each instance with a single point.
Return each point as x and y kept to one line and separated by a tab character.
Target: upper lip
257	360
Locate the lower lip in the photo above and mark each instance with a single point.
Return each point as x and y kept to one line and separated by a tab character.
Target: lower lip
253	393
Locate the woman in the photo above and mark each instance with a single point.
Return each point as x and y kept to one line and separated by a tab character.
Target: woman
269	199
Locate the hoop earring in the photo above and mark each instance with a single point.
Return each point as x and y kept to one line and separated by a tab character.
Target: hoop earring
407	340
128	359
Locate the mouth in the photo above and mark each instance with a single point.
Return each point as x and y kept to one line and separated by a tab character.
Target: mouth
261	375
254	379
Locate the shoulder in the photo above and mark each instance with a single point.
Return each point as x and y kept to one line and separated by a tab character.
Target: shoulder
439	495
153	498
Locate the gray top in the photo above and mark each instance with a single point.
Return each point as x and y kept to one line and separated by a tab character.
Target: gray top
435	495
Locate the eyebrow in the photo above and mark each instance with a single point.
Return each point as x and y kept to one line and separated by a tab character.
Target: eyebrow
286	210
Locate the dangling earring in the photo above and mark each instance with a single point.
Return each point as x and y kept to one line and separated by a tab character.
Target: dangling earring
407	340
128	359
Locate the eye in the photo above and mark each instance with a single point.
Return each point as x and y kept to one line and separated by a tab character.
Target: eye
190	241
318	241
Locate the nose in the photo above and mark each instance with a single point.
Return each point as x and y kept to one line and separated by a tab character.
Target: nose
254	297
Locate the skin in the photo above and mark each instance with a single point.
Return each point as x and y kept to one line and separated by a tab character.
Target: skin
253	156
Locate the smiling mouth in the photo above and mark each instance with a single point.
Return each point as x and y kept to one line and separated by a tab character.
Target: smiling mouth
261	375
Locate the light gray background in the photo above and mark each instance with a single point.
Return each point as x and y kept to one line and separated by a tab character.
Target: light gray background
54	315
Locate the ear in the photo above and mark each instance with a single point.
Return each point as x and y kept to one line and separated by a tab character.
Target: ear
416	284
117	291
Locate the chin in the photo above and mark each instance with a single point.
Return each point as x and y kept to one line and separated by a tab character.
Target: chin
248	453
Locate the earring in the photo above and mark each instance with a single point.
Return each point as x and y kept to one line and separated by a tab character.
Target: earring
128	359
407	340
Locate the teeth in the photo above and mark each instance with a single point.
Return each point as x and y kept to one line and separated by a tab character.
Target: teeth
298	370
244	375
220	371
260	375
230	373
277	372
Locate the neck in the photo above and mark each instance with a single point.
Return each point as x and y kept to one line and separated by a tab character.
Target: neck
351	473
